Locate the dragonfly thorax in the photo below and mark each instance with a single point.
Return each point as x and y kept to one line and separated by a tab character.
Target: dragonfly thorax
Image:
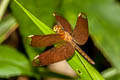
65	35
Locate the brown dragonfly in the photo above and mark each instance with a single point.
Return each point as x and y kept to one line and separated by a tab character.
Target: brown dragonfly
67	39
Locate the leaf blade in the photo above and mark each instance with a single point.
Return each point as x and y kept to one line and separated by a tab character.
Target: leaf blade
11	62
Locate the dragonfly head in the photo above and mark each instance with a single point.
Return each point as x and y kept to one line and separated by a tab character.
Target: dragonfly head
58	28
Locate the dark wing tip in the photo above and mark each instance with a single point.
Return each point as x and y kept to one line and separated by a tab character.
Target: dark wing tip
30	36
54	14
29	39
83	15
36	61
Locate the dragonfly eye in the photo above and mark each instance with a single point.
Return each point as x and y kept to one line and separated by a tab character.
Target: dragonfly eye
55	28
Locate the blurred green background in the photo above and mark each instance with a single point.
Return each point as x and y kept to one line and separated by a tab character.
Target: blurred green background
103	45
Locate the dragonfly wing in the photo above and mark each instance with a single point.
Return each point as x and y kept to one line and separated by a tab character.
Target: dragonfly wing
80	33
45	40
56	54
65	24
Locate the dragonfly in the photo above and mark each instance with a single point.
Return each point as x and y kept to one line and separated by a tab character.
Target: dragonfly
68	41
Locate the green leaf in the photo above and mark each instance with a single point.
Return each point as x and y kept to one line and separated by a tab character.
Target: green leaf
3	7
86	70
107	34
7	26
111	74
83	68
13	63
